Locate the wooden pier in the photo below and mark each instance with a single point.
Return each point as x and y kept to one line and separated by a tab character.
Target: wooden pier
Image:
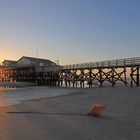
111	71
122	71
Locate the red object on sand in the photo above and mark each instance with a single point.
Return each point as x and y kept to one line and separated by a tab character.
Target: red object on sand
96	110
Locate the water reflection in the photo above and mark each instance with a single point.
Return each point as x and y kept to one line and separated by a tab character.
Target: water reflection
7	87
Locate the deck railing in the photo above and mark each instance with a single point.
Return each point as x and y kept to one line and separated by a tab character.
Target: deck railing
128	62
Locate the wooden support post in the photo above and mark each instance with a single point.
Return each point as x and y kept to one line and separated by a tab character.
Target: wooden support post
100	77
125	76
90	78
137	76
131	75
74	78
112	77
82	78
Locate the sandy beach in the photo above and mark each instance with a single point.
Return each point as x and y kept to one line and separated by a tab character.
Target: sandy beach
64	117
17	84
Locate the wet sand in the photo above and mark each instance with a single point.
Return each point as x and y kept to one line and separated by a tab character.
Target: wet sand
17	84
64	117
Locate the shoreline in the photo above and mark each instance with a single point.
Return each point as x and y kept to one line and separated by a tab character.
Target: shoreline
30	91
18	84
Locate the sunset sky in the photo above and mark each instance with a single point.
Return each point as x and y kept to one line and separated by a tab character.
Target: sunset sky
71	31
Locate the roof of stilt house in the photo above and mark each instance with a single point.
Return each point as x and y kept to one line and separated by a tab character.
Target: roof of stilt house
9	63
25	60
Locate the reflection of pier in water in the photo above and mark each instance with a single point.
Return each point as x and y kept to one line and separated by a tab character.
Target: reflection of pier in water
112	71
6	87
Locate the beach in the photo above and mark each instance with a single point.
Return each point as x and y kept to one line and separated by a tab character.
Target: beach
64	115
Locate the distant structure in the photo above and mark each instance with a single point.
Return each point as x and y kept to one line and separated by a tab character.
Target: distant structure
38	63
46	72
27	69
9	63
102	72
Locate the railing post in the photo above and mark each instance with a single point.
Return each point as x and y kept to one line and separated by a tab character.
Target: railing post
133	61
124	62
116	62
102	64
109	63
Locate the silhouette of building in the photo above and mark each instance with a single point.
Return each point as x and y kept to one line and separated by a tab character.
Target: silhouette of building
25	69
9	63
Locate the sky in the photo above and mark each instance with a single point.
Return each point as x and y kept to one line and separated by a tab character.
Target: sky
71	31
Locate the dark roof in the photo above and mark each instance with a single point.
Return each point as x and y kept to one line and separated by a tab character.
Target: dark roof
9	62
34	59
12	61
37	60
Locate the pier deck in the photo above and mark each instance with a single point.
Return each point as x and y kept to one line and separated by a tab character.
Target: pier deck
111	71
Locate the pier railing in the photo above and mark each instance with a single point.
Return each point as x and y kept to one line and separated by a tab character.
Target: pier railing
128	62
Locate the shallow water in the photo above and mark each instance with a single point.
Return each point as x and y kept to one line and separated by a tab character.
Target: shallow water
14	95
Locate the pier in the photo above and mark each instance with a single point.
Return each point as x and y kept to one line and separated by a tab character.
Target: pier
111	71
91	73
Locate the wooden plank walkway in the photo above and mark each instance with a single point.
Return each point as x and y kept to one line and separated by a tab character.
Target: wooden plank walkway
128	62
